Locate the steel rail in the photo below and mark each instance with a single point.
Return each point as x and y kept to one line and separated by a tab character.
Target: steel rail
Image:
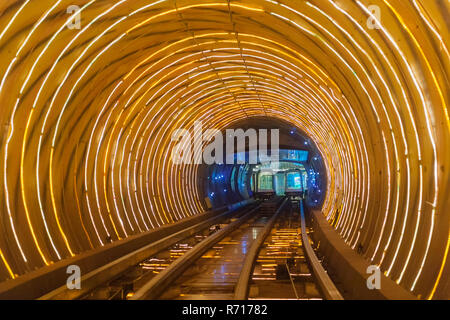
327	286
292	281
154	288
242	286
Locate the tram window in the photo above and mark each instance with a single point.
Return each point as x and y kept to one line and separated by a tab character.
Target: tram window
294	181
265	182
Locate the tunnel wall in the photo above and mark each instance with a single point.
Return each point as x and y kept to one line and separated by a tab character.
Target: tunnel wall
347	268
87	117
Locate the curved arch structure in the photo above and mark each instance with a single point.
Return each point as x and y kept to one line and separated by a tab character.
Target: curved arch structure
88	114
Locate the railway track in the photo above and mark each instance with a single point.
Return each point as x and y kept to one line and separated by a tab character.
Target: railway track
283	265
259	252
113	280
265	255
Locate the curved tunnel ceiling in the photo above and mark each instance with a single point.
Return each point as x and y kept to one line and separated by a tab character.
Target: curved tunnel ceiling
87	116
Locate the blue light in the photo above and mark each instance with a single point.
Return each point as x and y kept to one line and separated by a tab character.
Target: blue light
306	142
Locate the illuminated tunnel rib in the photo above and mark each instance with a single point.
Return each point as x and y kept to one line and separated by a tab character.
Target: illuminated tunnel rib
89	114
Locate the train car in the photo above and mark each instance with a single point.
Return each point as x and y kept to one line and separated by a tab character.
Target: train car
265	184
294	183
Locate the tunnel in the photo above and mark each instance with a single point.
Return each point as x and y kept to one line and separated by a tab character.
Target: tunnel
93	91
